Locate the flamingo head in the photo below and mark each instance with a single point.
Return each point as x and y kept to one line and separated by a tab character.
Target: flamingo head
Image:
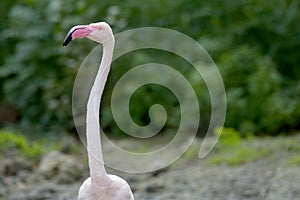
98	32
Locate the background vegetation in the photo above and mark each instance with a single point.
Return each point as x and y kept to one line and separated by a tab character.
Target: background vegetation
255	44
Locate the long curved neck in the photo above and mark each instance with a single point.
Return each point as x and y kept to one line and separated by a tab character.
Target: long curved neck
97	170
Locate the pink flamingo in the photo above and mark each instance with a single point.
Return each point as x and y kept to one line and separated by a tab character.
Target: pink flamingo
100	185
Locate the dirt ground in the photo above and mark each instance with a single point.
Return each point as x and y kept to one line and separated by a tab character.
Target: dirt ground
272	177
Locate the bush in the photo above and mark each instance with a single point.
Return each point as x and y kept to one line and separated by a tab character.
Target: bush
258	101
234	151
10	141
254	43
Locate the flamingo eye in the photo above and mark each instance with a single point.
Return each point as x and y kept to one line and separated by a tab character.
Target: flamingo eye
97	26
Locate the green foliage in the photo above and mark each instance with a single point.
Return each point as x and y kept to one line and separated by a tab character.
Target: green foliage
295	160
257	99
238	156
228	136
233	150
192	152
254	43
10	141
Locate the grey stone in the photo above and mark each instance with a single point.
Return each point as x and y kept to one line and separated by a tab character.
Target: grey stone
64	168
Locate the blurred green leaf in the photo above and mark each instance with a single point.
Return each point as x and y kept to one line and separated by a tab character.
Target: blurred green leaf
254	43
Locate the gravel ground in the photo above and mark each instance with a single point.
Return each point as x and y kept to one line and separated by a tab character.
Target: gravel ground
270	177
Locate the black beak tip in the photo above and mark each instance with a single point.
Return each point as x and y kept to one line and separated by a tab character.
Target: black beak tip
68	39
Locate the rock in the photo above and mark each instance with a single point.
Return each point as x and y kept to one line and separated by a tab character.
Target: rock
43	191
3	188
64	168
69	145
154	188
50	163
160	171
15	165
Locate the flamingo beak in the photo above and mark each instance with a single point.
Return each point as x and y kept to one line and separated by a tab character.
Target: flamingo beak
67	39
80	31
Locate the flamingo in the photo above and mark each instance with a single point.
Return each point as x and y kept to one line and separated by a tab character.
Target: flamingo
100	185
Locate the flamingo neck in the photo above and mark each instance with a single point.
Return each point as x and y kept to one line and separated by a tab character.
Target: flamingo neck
95	157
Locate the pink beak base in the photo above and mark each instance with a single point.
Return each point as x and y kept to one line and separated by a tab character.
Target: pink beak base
79	31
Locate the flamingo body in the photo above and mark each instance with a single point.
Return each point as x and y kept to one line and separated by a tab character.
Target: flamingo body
117	190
